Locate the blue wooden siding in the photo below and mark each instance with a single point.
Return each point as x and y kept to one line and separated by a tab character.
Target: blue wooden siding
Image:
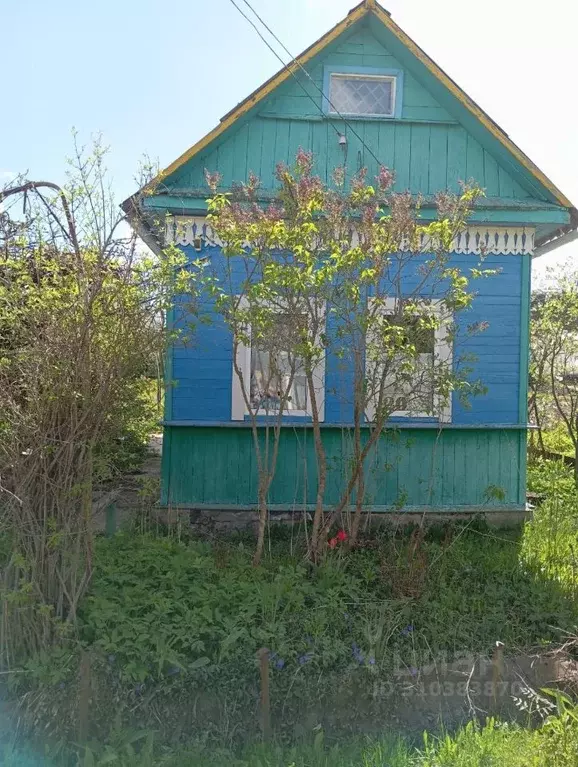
428	148
202	368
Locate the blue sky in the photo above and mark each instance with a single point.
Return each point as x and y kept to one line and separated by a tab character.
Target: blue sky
155	77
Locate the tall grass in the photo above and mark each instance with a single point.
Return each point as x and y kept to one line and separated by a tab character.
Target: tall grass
550	540
554	744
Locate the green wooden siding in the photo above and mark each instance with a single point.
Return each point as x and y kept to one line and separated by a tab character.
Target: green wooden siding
452	468
428	147
426	158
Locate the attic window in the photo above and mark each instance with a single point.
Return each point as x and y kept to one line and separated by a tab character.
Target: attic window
367	95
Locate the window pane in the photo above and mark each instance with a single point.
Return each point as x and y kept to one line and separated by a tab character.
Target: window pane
361	95
422	338
415	392
411	390
271	366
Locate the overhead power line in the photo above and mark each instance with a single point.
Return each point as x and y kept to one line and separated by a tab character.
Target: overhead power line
302	68
274	52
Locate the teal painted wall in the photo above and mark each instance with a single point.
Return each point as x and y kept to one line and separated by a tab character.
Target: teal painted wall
454	468
428	148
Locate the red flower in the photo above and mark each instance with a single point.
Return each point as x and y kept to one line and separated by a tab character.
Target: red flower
342	536
332	543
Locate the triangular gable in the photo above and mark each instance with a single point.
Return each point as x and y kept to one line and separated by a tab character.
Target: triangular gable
429	149
475	134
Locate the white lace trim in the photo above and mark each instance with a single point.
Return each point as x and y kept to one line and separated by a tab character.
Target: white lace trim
475	240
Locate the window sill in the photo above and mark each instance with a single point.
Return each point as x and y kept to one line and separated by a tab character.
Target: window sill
272	418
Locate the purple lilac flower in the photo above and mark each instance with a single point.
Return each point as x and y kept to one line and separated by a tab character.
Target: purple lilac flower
407	630
371	660
385	178
303	659
279	663
212	179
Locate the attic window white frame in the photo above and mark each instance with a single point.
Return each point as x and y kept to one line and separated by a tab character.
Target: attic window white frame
395	76
443	355
239	411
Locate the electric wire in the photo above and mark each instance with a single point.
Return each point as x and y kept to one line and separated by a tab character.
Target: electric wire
302	68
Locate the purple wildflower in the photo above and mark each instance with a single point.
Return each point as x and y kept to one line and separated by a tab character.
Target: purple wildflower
279	663
356	652
407	630
173	670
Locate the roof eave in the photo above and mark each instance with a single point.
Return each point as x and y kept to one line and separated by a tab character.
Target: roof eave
563	236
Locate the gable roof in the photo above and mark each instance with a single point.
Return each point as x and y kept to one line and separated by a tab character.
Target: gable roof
370	8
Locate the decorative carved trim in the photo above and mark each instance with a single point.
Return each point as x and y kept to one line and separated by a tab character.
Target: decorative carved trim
496	240
187	230
475	240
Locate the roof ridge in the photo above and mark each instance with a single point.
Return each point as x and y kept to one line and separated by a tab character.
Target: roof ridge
371	5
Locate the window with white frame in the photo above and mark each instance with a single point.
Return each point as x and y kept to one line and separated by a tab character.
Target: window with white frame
273	375
406	379
367	95
277	374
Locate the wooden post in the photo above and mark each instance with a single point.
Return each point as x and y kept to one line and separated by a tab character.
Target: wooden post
110	524
83	697
263	655
497	672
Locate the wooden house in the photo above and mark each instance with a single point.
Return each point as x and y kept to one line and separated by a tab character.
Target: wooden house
388	100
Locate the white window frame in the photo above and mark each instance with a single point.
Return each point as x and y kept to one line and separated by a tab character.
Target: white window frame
239	409
360	76
443	354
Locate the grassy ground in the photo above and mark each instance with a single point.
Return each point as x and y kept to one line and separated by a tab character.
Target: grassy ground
554	744
172	626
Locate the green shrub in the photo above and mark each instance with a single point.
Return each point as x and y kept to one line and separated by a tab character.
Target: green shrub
137	417
558	440
549	478
550	541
